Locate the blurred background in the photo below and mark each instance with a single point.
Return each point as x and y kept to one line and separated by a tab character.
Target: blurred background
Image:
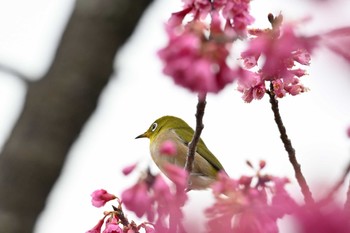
139	93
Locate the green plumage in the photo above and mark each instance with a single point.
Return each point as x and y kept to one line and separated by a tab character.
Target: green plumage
186	135
205	166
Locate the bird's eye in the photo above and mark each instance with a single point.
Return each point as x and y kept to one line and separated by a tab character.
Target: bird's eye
154	126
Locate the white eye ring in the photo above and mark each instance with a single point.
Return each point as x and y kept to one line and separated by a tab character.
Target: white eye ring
154	126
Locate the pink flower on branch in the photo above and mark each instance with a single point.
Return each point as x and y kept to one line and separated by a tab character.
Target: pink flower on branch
195	61
112	226
97	228
281	52
152	197
251	85
196	55
249	204
117	222
127	170
101	197
234	12
322	219
338	41
137	199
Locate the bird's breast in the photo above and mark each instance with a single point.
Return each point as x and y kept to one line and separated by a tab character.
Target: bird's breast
179	158
203	173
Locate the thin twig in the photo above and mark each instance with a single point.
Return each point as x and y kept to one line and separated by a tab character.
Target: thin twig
289	148
120	214
347	202
192	146
338	185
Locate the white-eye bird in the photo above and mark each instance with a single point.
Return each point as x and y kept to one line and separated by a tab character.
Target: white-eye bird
169	128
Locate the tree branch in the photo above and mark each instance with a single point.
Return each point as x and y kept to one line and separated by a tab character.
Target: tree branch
58	105
289	148
192	146
337	186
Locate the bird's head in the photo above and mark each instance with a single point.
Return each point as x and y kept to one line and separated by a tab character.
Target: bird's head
161	125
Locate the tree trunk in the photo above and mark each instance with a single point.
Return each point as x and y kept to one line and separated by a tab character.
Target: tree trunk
58	105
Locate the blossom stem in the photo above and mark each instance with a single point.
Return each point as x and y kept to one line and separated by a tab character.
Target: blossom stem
347	202
289	148
120	214
192	146
338	185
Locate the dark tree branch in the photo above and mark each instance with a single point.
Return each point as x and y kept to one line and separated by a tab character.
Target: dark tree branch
58	105
192	146
289	148
120	214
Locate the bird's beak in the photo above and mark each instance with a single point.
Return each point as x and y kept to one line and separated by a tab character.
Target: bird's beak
144	135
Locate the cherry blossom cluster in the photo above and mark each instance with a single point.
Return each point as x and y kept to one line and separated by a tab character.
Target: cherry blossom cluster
152	198
115	221
201	37
251	203
245	205
197	53
282	52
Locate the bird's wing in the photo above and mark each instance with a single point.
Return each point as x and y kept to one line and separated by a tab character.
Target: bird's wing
186	137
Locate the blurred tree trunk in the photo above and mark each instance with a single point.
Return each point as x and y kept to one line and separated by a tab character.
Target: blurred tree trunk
58	105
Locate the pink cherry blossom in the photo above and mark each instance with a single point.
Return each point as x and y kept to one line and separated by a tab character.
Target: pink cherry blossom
101	197
262	164
177	17
245	206
278	88
178	175
112	226
301	56
224	183
195	61
251	85
168	148
200	8
127	170
324	219
281	50
148	229
137	199
160	202
338	41
97	228
348	132
236	13
169	203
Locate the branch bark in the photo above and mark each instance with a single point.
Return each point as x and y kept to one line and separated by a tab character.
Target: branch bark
289	148
192	146
58	105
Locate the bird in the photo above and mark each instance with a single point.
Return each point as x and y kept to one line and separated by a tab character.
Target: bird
170	128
